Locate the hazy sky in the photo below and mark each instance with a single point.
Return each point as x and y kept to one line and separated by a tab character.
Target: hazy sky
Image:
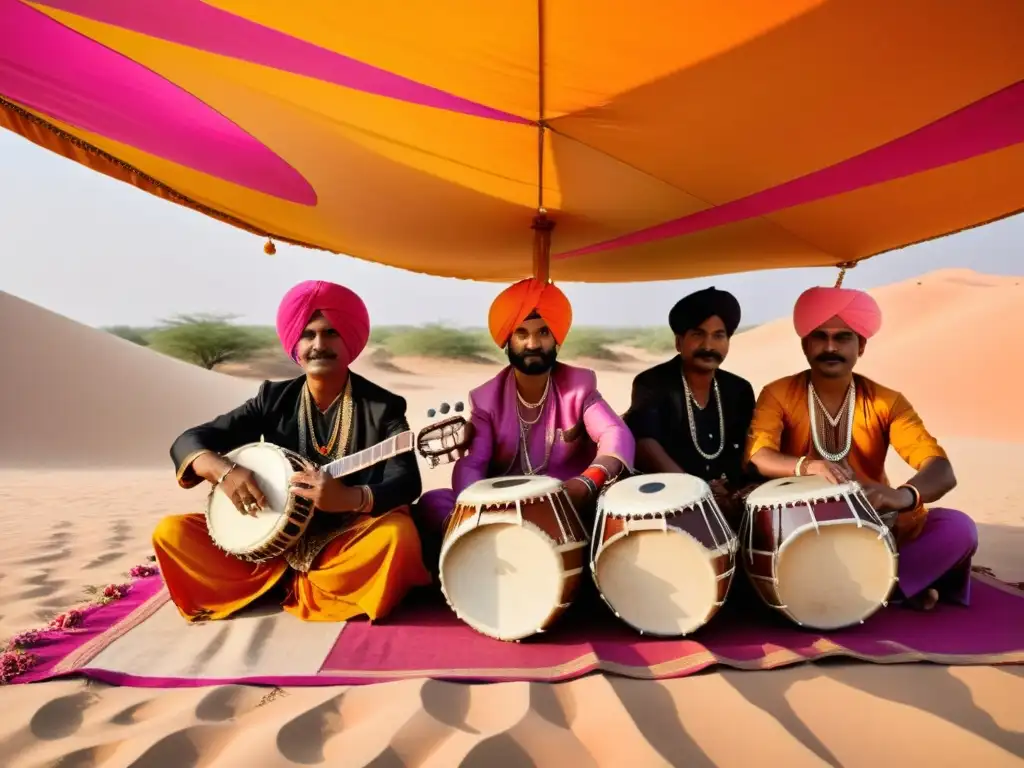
103	253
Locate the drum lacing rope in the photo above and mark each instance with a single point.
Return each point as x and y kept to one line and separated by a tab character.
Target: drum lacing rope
558	518
814	520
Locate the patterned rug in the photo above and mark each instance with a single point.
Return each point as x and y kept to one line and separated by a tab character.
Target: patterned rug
131	634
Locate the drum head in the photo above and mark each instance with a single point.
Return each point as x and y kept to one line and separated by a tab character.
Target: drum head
793	490
659	582
836	576
238	533
503	579
509	489
653	494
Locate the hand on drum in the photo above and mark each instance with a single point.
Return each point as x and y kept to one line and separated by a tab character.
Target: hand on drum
886	499
832	472
326	493
578	493
241	487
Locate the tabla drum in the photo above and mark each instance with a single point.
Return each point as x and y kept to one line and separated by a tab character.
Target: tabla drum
818	553
512	555
284	518
662	554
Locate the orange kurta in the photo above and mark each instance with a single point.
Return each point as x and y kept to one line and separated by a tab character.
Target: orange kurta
882	418
365	571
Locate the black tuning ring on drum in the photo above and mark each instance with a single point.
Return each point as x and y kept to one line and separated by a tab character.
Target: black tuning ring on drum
431	413
459	407
445	407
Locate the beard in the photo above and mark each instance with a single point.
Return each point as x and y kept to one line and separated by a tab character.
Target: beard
542	362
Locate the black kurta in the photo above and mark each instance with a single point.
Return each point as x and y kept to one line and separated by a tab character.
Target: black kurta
273	415
658	411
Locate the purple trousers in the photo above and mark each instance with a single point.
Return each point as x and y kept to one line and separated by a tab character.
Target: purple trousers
939	557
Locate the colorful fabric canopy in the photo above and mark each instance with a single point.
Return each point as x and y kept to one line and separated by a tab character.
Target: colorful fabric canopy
682	138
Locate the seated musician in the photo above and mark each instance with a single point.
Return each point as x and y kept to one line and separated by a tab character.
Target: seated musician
537	416
361	552
829	421
689	415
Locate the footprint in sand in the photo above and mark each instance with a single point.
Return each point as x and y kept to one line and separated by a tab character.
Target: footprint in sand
49	557
228	702
41	585
302	739
61	717
106	557
180	749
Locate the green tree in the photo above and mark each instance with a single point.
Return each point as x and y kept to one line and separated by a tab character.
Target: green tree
207	340
128	333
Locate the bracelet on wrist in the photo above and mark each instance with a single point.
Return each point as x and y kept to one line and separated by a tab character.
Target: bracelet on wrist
226	472
916	495
799	466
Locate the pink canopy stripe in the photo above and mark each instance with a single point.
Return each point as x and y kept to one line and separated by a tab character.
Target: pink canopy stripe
47	67
198	25
990	124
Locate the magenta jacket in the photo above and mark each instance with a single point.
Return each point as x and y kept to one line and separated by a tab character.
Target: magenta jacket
575	426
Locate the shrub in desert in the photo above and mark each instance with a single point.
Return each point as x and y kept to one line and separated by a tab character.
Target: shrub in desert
207	340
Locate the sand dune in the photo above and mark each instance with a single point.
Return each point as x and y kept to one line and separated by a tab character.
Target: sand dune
944	341
74	396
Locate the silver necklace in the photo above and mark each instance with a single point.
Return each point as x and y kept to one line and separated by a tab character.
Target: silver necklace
690	402
846	410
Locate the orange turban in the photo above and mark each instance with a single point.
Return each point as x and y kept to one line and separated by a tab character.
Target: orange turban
518	301
817	306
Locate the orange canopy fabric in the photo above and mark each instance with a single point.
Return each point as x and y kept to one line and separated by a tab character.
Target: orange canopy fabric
680	139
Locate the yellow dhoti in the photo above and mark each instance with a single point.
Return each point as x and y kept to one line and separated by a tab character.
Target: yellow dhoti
367	570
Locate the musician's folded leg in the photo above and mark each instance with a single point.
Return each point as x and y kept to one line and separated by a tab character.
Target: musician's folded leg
940	557
204	582
366	571
430	513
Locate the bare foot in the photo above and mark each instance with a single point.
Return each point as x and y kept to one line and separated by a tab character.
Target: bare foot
926	600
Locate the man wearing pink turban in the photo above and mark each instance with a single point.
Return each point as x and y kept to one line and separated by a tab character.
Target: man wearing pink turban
831	422
361	552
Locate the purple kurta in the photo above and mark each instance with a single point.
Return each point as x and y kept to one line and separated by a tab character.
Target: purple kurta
575	426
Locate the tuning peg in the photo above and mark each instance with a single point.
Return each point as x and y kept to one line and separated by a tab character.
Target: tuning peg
445	407
459	407
431	413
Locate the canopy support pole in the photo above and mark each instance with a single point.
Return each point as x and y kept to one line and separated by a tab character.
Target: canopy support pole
542	225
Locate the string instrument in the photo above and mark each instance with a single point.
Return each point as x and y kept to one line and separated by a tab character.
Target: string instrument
275	529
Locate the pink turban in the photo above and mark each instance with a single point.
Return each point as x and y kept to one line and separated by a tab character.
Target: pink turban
817	306
343	308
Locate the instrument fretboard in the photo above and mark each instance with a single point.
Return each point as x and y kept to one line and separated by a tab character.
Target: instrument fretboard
349	465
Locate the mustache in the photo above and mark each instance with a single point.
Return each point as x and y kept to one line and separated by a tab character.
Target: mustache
322	356
708	354
829	357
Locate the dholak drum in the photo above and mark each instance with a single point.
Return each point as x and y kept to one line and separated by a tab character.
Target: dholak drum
662	554
284	518
818	553
512	555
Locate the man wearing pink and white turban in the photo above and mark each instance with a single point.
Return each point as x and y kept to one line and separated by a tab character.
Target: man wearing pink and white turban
829	422
360	553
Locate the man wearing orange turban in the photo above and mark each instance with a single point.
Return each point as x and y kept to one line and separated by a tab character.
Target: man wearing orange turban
838	425
361	551
538	416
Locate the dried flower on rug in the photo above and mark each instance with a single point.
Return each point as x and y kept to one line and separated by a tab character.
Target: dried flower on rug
68	620
24	639
113	592
14	663
143	571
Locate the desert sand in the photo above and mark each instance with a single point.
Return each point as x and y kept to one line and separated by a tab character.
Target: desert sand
84	474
